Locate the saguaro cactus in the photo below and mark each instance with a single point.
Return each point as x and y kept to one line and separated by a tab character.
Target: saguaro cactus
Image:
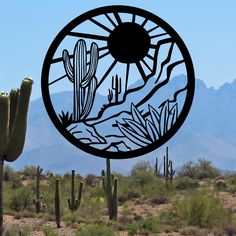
116	86
13	123
73	202
169	172
39	199
57	204
157	168
110	185
83	79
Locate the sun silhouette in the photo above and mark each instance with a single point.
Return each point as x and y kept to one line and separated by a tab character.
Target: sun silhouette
131	38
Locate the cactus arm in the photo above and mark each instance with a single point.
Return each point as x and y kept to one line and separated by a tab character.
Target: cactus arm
17	136
80	68
14	99
67	65
92	67
119	84
80	192
4	123
89	98
104	182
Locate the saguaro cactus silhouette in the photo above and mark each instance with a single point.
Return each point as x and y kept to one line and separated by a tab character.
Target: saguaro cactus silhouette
110	185
73	202
83	79
38	200
116	86
13	122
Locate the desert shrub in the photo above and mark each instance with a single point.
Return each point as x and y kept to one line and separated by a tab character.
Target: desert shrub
8	173
193	231
185	182
145	227
29	171
92	230
231	179
15	180
148	225
14	230
158	200
49	231
189	169
220	185
232	189
169	218
203	211
70	218
132	229
20	199
91	180
200	170
132	195
143	183
205	169
143	178
142	166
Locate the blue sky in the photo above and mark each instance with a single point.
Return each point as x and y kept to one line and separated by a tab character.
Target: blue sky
29	27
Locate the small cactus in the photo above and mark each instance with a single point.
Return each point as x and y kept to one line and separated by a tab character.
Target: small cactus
110	185
157	168
39	199
169	172
74	203
116	86
57	204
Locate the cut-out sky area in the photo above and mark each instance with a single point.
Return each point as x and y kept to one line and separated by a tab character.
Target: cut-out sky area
28	28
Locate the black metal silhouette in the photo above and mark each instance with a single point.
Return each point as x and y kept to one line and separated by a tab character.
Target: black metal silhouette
135	116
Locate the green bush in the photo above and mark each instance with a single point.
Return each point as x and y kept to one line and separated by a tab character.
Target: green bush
15	230
95	230
205	169
231	179
203	211
132	229
49	231
8	173
30	171
232	189
144	227
189	169
20	199
142	166
148	225
185	182
169	218
200	170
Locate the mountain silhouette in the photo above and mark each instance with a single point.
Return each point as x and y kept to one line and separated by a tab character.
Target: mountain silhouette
208	132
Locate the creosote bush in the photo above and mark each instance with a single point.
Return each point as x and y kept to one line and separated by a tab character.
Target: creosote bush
183	183
200	170
202	210
92	230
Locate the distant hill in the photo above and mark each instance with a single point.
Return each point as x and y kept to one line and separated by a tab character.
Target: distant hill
209	132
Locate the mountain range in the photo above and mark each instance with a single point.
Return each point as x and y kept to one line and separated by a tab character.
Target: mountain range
208	132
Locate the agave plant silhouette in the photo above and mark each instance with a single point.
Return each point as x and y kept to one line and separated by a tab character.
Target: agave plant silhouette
145	129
